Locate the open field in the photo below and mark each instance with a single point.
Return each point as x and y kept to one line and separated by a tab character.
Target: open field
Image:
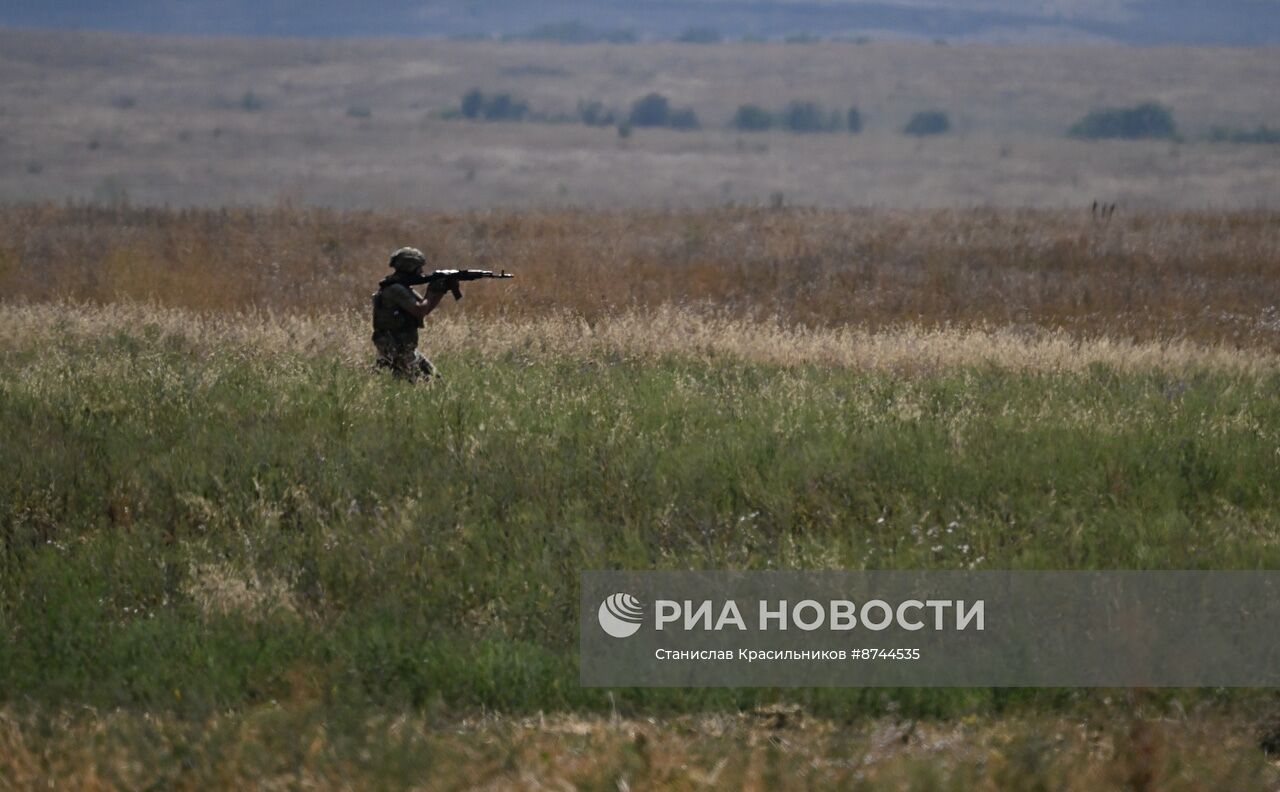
226	560
164	121
232	553
1210	278
772	748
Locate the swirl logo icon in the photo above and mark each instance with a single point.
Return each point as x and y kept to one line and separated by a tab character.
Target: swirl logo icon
620	615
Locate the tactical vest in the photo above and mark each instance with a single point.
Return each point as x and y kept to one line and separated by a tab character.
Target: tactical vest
389	318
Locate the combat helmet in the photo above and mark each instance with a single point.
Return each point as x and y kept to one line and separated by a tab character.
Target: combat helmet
407	259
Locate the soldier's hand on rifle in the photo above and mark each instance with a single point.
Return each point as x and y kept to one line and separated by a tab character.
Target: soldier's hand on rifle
429	302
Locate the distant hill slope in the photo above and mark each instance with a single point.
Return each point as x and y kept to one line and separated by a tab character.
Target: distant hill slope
1232	22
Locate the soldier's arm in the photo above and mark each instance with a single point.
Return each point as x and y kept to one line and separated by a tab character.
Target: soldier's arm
427	304
407	300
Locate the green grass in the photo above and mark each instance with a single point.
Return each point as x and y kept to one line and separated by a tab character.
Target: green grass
186	530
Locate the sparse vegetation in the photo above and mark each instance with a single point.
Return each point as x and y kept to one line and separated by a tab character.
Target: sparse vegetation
775	747
752	118
655	110
1209	277
926	123
683	118
853	121
1148	120
700	35
801	116
476	105
594	113
806	116
576	32
250	102
424	149
1260	134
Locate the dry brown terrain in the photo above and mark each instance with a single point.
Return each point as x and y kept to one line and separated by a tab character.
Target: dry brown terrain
162	120
767	749
1202	277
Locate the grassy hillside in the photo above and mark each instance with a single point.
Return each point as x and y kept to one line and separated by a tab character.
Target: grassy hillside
1206	277
232	553
234	519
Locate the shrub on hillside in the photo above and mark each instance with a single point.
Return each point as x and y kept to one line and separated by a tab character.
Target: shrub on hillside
752	118
655	110
577	33
472	103
504	107
498	107
250	102
1263	134
1148	120
700	35
853	121
651	110
594	113
928	122
808	117
683	118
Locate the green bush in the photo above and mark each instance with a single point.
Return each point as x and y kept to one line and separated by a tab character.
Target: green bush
798	116
472	103
651	110
594	113
752	118
853	121
1148	120
683	118
928	122
505	107
498	107
803	116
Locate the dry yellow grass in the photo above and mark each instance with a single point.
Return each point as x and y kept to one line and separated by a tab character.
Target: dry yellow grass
666	331
218	589
773	748
1211	278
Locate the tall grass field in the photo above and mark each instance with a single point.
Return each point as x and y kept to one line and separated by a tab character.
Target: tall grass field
232	553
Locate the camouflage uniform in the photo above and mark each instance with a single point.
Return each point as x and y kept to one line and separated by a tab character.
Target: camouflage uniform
395	330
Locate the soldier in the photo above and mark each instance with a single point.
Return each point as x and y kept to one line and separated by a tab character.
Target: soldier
398	312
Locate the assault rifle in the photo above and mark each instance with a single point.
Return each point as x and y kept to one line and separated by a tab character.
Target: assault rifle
449	280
